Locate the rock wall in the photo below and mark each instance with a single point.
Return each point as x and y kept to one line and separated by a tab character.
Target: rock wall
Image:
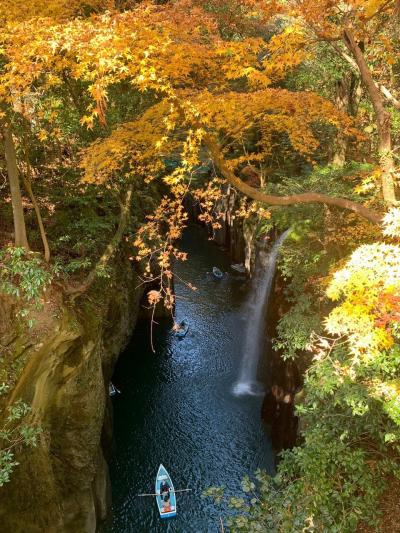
285	379
230	235
65	365
236	236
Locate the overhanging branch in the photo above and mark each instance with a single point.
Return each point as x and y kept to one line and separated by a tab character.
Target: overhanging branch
305	198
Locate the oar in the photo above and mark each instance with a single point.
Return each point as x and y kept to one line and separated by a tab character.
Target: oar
158	494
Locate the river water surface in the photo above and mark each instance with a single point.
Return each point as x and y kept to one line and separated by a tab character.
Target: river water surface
177	406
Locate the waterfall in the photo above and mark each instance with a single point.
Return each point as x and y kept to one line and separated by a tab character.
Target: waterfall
257	306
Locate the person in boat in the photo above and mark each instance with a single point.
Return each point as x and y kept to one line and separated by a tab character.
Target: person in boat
164	491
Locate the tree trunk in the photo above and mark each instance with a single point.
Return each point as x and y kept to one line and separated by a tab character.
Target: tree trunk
28	187
110	250
383	120
348	93
13	177
342	102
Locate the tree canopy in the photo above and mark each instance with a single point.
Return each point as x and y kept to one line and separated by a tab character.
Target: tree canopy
113	113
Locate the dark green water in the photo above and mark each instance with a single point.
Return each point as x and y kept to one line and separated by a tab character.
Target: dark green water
177	406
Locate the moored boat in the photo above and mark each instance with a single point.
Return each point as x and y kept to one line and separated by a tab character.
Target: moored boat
238	267
181	329
165	494
217	273
112	389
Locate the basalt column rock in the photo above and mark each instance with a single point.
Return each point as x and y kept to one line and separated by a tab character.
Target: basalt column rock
278	409
230	235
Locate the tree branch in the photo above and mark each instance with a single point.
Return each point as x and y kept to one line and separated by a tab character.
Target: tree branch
110	249
389	96
305	198
28	187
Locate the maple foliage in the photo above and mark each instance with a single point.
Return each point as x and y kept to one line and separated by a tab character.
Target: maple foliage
12	11
363	32
329	18
210	76
202	83
126	91
177	52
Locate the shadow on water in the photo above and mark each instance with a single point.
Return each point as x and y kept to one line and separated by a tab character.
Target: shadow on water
177	407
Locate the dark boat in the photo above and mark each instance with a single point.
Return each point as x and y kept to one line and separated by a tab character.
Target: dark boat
217	273
182	329
239	268
112	389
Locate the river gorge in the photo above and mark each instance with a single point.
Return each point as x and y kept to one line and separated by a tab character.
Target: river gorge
176	405
199	266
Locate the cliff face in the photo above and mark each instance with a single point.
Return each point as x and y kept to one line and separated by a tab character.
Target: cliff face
64	368
282	378
278	409
236	236
230	235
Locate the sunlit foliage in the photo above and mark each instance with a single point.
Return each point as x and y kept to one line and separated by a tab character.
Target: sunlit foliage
110	101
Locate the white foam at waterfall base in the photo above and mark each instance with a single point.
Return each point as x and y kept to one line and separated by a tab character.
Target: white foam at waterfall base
256	307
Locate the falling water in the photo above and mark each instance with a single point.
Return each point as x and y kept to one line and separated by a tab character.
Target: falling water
255	334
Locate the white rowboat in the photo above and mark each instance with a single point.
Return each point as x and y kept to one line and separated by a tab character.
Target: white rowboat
165	494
